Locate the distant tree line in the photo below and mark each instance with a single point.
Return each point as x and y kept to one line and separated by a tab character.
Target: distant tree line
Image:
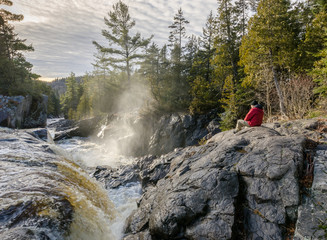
272	50
16	77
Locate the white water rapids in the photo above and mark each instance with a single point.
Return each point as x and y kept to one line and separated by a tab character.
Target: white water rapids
85	154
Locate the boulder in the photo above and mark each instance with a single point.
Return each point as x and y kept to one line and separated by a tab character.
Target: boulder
87	127
61	124
40	133
116	177
66	128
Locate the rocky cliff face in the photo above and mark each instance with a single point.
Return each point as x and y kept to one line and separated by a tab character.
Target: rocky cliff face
140	135
175	131
251	185
23	112
312	213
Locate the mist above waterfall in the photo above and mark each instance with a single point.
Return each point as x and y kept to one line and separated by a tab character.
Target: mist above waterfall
133	98
123	131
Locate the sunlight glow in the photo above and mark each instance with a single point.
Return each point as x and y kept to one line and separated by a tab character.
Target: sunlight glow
46	79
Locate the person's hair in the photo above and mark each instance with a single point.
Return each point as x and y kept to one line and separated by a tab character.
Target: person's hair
254	102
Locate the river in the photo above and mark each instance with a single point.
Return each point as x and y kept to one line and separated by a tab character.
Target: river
52	196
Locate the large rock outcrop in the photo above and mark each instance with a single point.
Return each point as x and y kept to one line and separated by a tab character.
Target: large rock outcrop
43	195
242	186
23	112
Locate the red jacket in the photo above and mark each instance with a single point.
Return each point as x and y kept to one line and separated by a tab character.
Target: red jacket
254	117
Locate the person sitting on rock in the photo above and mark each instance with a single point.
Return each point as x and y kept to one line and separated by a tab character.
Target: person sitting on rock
252	119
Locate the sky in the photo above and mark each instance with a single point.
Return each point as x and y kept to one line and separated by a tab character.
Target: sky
62	31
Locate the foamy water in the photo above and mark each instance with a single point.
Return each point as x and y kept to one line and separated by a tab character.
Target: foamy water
89	154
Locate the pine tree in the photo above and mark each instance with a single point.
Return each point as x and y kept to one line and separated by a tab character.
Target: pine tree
70	100
319	71
101	65
227	41
190	55
95	86
204	91
150	69
178	32
229	101
319	23
254	4
177	93
269	44
15	71
123	47
242	10
202	63
226	44
54	108
84	107
312	16
207	45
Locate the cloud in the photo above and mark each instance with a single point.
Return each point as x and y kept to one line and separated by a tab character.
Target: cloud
62	31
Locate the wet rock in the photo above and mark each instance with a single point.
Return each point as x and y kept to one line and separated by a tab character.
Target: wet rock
40	133
25	222
43	195
140	236
68	128
31	205
152	169
13	110
61	125
71	132
87	127
116	177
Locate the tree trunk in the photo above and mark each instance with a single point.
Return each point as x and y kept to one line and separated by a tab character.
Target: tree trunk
128	74
279	92
268	102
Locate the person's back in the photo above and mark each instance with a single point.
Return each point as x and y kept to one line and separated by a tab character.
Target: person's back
255	116
252	119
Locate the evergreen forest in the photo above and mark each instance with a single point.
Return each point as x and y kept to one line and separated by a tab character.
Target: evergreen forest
274	51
